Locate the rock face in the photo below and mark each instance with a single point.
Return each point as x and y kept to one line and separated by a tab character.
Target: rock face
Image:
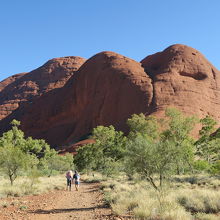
183	78
24	87
10	80
108	88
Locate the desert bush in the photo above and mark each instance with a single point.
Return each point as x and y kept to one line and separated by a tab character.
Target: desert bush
203	216
188	179
200	200
215	168
215	183
201	165
172	212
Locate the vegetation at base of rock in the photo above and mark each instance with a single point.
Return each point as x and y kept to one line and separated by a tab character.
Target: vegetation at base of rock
166	173
161	152
30	157
154	147
157	152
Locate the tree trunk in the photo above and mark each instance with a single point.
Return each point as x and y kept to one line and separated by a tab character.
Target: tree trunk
161	180
178	169
50	173
152	183
11	179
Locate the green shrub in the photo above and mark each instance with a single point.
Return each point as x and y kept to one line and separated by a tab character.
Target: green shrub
215	167
201	165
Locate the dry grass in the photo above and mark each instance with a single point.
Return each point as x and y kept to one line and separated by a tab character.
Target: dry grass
181	201
145	203
202	216
200	200
93	178
201	181
186	198
23	186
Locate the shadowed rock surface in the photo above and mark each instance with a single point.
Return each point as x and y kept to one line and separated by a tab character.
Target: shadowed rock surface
24	87
108	88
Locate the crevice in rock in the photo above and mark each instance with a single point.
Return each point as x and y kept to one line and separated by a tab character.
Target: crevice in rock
214	74
151	74
197	76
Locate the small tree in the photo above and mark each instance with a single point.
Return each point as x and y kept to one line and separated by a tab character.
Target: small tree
12	161
150	160
158	152
13	137
20	152
208	145
52	161
178	132
87	157
104	153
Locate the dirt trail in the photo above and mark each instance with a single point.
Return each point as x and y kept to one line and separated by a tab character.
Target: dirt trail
85	204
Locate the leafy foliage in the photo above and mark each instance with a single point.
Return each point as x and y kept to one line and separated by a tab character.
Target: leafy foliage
215	167
159	152
208	145
104	153
12	161
146	126
178	133
58	163
27	154
15	137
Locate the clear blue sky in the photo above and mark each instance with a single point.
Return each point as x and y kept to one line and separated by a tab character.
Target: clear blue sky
34	31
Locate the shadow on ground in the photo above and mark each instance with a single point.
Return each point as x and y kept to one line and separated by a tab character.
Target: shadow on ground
53	211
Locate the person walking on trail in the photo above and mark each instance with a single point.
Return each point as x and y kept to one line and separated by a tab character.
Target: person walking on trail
69	179
76	178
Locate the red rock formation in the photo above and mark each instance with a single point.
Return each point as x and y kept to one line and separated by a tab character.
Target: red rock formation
183	78
10	80
24	87
108	88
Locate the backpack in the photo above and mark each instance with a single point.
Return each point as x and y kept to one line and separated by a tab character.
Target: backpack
76	177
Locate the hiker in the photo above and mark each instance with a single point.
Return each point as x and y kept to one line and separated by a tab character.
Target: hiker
76	178
69	178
